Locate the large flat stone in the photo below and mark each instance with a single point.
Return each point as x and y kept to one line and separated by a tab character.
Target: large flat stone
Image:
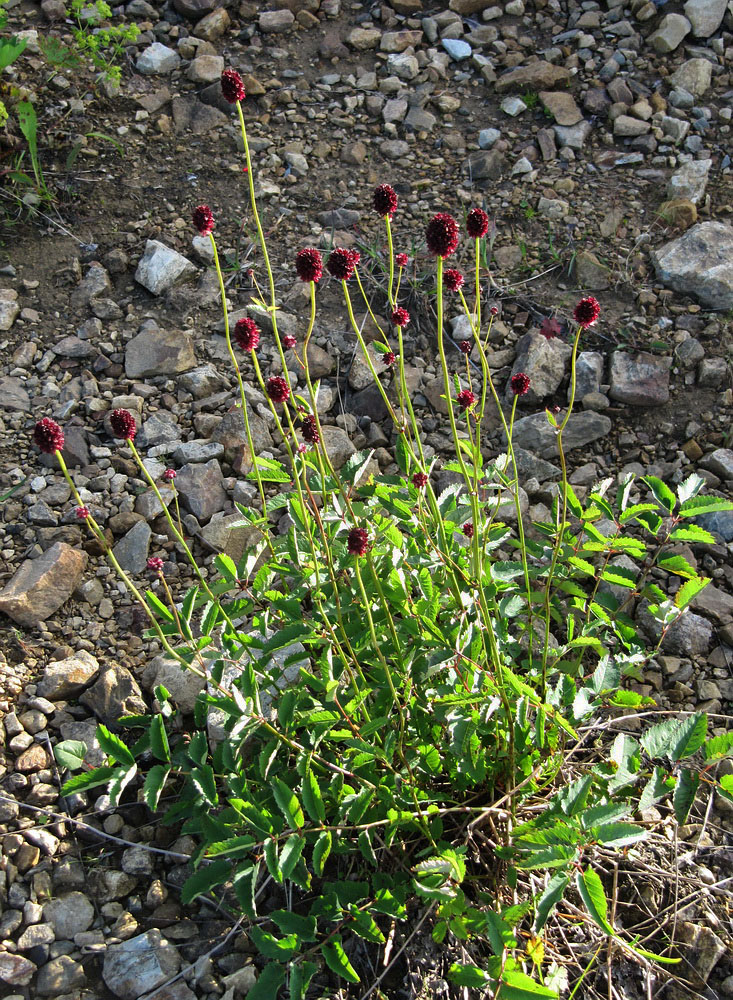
700	263
13	395
535	434
135	967
41	585
538	76
639	380
160	268
159	352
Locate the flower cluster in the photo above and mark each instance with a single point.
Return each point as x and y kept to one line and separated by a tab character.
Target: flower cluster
453	279
309	429
203	220
247	334
48	436
232	86
169	475
277	389
401	259
155	564
389	358
341	263
419	480
477	223
357	542
309	264
400	317
465	399
520	384
441	235
385	200
289	341
465	346
123	424
587	311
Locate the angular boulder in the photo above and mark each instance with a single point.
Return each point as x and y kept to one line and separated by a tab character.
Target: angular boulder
41	585
699	263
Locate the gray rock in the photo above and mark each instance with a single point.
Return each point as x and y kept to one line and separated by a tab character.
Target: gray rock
131	551
394	111
116	693
232	434
159	352
535	434
148	503
394	149
513	106
485	165
191	115
627	127
135	967
404	65
588	373
34	936
13	395
719	462
543	361
69	915
157	59
94	283
561	105
690	181
108	884
64	678
689	352
552	208
694	76
202	381
159	428
205	68
9	307
201	489
60	975
700	262
672	30
42	585
363	39
161	268
360	375
487	137
198	451
590	273
456	48
702	948
537	76
712	372
85	732
276	21
705	16
15	970
227	533
337	444
137	861
690	635
639	380
184	685
573	136
529	466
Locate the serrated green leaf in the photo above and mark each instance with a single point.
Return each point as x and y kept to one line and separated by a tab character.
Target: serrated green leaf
272	859
718	747
385	902
232	847
204	782
337	960
549	899
592	893
703	505
677	564
204	880
287	803
301	974
321	850
365	926
268	983
154	784
159	739
691	735
619	834
660	740
620	576
245	883
312	799
662	493
280	949
295	923
726	785
692	533
89	779
690	487
70	753
118	783
290	854
689	591
684	793
114	747
468	975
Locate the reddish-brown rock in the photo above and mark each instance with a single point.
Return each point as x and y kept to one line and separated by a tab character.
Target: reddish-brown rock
43	584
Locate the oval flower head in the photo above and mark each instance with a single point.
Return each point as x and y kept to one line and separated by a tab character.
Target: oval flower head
587	311
232	86
441	235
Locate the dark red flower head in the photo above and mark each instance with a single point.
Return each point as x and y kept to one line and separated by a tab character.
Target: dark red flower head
389	358
401	259
277	389
494	310
453	279
155	564
467	529
247	334
465	399
309	429
587	311
123	424
441	235
341	263
82	513
169	475
358	542
309	264
465	346
385	200
289	341
419	480
400	317
232	86
520	384
48	436
477	222
203	220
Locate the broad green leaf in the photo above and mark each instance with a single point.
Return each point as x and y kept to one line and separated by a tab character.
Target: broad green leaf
301	974
88	779
677	564
690	487
290	854
114	747
337	960
119	782
204	880
280	949
359	806
684	793
272	860
468	975
157	606
245	883
690	736
232	847
689	591
591	892
638	508
619	834
549	899
312	799
719	746
159	739
499	933
660	740
619	576
703	505
154	784
321	850
692	533
204	782
366	847
385	902
656	788
726	786
268	983
516	985
294	923
287	803
70	754
364	925
662	493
